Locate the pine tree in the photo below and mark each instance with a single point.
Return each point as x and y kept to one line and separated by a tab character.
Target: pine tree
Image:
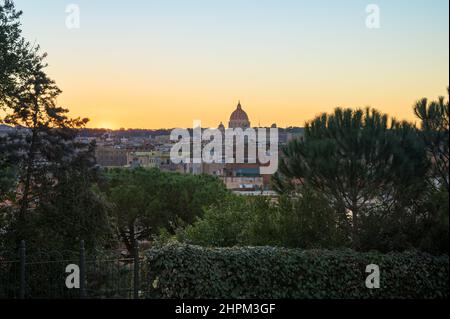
434	118
358	159
43	147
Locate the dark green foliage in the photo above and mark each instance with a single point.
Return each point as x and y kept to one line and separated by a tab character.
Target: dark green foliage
234	221
180	271
307	221
8	176
46	176
67	212
387	181
434	118
357	159
144	201
425	227
17	55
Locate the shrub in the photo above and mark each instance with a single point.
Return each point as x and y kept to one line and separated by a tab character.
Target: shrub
237	220
186	272
305	222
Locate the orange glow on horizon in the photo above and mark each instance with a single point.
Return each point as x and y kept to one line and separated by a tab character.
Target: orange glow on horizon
154	65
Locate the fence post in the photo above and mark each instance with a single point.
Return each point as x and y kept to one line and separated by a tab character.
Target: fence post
136	283
82	271
22	253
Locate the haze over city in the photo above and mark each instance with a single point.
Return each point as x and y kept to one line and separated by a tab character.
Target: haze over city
163	64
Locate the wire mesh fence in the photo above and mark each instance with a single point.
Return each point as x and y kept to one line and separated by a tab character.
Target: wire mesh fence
44	275
9	279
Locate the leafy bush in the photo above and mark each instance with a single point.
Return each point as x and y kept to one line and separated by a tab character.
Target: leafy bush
182	271
234	221
304	222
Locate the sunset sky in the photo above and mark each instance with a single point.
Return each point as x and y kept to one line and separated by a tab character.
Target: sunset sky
165	63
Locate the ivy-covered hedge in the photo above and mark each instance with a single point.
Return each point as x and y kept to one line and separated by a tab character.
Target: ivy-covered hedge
182	271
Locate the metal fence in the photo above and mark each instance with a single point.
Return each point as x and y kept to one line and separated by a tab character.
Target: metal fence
42	275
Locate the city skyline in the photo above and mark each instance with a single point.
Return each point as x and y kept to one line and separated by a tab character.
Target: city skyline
164	64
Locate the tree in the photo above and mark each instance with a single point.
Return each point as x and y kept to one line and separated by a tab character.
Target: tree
434	118
222	225
13	53
434	210
309	221
145	201
17	55
41	149
74	210
358	159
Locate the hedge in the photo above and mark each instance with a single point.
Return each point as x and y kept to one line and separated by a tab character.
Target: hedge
190	272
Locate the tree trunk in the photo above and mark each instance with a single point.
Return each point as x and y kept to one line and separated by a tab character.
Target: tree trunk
355	222
29	167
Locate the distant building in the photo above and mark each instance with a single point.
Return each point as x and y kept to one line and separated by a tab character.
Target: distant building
145	159
174	168
270	194
162	139
254	183
239	119
240	177
139	149
110	156
216	169
194	168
